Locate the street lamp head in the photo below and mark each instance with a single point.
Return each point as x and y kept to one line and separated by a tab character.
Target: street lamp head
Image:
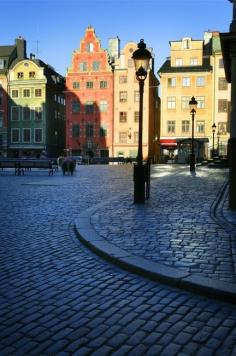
213	128
193	105
141	59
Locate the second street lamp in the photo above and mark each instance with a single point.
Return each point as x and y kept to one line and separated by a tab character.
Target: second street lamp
193	107
141	59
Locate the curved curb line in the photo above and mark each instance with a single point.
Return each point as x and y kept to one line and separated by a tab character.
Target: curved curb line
152	270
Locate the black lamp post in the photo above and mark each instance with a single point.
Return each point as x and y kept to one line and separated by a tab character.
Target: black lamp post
193	107
213	139
141	59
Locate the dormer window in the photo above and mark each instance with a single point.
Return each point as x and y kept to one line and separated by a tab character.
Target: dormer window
31	75
89	47
186	43
20	75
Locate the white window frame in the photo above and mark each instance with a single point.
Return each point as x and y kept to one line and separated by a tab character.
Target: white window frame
39	129
23	130
17	130
200	81
18	109
171	102
186	82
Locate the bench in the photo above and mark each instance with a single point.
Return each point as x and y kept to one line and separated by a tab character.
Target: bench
21	165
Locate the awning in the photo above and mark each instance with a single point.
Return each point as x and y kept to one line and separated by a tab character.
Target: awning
168	142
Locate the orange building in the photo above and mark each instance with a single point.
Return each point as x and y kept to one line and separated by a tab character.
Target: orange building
89	100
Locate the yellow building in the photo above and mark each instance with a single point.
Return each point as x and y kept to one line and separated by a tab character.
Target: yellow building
191	70
126	108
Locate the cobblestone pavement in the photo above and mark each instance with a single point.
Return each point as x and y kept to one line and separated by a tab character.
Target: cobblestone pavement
181	226
57	298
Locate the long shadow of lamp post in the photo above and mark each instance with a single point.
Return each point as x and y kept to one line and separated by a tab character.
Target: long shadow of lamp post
141	59
228	45
213	139
193	107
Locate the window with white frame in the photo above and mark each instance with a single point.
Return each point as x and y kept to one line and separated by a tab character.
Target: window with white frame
89	85
222	84
103	106
38	135
171	82
26	93
171	126
193	61
222	128
96	66
15	135
186	81
200	81
15	93
76	130
26	113
31	75
123	96
185	126
15	113
186	43
200	102
38	114
89	130
185	102
89	47
20	75
83	66
38	92
26	135
200	126
171	102
103	84
75	106
136	116
76	85
222	105
179	62
123	116
89	107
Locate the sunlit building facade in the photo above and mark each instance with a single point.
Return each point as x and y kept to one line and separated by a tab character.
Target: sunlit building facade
194	68
89	100
126	108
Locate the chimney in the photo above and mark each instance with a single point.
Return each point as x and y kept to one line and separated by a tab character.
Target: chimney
21	48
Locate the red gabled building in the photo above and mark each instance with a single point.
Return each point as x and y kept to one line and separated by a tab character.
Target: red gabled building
89	100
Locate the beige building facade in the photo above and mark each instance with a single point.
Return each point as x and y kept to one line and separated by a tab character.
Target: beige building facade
126	108
193	69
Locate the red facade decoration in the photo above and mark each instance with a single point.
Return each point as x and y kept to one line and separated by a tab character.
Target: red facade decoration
89	100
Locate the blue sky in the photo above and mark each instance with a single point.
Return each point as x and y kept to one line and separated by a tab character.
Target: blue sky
56	27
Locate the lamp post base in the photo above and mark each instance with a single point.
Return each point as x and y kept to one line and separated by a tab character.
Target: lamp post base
192	162
232	173
139	183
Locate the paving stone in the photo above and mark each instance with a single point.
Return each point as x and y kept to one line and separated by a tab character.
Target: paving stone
59	298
